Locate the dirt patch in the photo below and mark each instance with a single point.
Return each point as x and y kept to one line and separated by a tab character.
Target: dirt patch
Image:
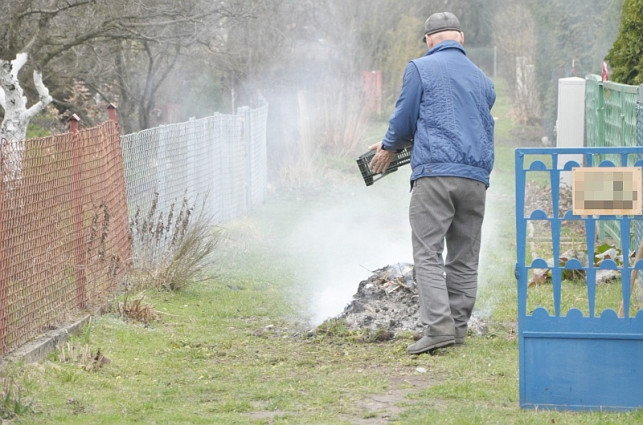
374	409
383	408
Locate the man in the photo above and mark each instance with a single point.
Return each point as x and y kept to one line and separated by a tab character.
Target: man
445	109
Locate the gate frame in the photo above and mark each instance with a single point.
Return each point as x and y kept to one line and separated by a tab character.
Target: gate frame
571	361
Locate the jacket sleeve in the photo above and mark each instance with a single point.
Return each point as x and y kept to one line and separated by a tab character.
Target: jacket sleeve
403	122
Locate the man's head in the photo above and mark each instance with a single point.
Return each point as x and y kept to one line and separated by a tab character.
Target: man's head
440	27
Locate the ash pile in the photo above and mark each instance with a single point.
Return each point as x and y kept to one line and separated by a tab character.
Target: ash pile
388	301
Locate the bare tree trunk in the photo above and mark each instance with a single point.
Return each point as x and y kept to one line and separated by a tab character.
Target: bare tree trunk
13	130
514	33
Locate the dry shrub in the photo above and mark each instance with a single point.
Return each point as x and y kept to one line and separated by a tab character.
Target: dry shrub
332	121
83	356
135	309
342	118
171	251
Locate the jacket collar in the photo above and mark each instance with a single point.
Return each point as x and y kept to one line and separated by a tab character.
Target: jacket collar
448	44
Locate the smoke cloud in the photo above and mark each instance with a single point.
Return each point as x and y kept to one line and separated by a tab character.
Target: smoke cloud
353	230
350	230
345	235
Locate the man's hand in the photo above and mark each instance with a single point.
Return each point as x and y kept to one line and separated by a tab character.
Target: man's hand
381	160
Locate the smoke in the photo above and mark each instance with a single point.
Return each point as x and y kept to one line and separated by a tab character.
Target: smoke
353	230
347	234
494	234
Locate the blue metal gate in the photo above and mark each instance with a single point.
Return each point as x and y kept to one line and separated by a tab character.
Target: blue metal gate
580	358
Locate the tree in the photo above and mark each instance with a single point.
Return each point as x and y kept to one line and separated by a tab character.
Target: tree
626	55
122	51
514	33
13	130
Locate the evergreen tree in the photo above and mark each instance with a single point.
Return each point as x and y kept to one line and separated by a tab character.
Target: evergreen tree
626	55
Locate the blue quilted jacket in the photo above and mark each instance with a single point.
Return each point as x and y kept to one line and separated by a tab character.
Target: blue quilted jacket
445	109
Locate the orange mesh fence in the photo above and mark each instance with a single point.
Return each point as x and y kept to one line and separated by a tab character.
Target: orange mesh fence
64	236
65	242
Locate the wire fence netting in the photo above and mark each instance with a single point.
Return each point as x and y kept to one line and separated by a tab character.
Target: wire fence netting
217	163
66	202
64	234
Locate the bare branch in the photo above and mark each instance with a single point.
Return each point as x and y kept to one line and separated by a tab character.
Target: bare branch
53	12
136	21
73	43
43	94
18	63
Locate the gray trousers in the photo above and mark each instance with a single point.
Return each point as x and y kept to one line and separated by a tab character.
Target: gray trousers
447	209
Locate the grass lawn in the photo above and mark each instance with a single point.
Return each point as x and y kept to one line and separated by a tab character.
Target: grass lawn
237	347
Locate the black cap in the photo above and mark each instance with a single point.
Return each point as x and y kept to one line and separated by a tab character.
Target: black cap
442	21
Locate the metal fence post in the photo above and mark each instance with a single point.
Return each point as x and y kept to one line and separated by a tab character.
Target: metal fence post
77	201
601	115
246	117
115	142
639	120
162	135
621	116
191	165
112	113
4	280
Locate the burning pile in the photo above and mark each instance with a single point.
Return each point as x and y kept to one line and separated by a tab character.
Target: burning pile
388	301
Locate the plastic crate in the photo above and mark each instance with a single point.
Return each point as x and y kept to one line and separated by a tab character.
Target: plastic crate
402	157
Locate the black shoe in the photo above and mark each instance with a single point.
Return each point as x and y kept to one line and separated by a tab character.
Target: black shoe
430	343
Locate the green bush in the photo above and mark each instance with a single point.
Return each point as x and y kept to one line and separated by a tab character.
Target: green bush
626	55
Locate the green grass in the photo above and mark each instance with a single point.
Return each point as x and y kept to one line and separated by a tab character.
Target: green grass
574	295
224	355
502	112
236	348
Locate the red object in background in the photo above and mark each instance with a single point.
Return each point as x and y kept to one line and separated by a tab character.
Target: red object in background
604	74
372	88
168	113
